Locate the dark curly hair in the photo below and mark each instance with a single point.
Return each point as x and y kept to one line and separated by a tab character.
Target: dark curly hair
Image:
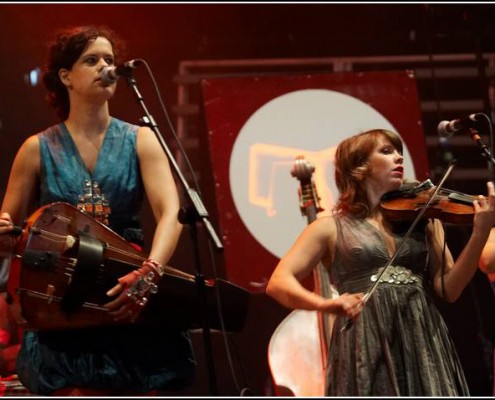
351	169
65	49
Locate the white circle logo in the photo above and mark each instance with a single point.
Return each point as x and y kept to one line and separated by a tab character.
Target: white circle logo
310	123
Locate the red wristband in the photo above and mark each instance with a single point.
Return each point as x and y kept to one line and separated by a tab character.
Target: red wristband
155	265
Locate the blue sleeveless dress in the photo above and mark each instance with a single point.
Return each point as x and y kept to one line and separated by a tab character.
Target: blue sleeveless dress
135	358
399	345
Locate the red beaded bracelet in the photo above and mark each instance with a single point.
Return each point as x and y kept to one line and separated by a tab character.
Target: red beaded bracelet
157	266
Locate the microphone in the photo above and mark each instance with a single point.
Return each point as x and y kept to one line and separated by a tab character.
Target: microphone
110	74
447	128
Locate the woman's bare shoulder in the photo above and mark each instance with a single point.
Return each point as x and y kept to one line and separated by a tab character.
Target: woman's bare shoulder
30	149
324	225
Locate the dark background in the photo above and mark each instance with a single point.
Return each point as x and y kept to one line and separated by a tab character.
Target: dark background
167	35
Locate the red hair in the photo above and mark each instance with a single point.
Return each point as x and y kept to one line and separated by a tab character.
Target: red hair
352	168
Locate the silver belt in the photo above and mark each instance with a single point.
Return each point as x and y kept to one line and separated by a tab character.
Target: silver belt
395	274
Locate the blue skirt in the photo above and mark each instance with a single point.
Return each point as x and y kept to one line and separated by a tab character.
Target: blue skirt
135	358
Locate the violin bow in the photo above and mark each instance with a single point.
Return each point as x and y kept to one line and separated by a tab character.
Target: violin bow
373	287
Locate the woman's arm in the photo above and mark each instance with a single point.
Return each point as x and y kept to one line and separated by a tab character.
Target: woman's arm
487	260
21	188
315	244
459	273
164	200
162	194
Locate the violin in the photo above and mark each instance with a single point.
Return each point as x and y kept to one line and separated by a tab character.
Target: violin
448	205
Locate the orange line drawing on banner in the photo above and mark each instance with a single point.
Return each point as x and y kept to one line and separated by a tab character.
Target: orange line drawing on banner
267	159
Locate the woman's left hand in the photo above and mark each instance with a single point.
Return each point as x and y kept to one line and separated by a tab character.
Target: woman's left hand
124	308
7	241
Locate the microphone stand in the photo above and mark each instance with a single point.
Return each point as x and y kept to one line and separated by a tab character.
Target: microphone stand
485	151
191	216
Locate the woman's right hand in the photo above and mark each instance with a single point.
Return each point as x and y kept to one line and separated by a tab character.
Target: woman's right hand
7	241
348	304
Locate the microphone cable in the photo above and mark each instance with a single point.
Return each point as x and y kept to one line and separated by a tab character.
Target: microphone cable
211	252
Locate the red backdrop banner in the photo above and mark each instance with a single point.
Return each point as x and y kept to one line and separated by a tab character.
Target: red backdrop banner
257	125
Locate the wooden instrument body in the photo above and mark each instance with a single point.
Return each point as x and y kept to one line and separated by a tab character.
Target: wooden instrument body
297	352
448	206
294	355
70	260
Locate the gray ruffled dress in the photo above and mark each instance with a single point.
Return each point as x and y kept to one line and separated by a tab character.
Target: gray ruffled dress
399	345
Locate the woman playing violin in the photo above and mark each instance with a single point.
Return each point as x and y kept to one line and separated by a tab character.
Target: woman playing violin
397	344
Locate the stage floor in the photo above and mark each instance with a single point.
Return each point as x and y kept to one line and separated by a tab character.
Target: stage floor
10	386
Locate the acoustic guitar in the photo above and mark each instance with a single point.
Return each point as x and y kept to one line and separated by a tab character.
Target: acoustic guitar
66	261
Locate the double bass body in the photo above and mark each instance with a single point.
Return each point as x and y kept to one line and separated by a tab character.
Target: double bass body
297	352
295	356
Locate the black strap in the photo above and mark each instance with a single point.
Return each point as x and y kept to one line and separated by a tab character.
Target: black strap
84	278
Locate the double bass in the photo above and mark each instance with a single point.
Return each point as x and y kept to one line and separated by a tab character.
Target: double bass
297	351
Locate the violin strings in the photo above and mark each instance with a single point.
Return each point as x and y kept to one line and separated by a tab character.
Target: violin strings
57	238
52	236
468	196
126	253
